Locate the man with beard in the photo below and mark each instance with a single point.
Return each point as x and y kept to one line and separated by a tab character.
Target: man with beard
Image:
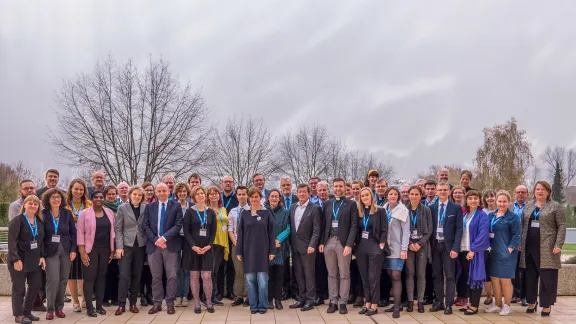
52	176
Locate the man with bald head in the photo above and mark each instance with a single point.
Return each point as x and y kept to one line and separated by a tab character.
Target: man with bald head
443	176
162	221
98	182
519	281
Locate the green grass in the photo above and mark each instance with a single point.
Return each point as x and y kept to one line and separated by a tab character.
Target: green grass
569	249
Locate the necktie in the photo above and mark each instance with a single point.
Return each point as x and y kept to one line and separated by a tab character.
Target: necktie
441	213
162	216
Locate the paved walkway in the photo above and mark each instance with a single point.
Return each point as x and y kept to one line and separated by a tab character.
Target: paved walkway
563	312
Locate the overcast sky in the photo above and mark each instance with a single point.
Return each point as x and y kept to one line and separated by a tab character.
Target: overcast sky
413	83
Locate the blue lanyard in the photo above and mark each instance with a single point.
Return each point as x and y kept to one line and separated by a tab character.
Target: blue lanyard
202	221
537	212
494	220
229	199
33	229
389	214
427	204
220	215
77	212
55	223
238	214
366	220
381	203
518	210
334	210
467	219
287	202
414	217
315	200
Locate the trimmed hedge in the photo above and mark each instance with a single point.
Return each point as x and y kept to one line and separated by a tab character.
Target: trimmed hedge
4	214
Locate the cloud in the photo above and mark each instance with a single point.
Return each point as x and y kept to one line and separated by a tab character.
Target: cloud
388	94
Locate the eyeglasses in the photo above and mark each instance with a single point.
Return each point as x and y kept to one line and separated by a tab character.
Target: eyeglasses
55	198
28	188
228	181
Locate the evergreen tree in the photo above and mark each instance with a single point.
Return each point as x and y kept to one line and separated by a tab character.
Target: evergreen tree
557	187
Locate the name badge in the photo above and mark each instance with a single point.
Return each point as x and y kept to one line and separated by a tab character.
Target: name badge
33	245
491	235
202	232
334	224
55	238
535	224
224	228
365	234
415	235
440	233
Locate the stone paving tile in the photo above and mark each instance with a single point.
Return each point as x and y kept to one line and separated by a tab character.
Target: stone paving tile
563	312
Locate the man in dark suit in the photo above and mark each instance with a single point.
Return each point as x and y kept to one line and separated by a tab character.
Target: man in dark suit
289	286
445	244
305	222
341	216
161	225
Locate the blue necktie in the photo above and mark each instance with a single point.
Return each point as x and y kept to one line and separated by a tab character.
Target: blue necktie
162	214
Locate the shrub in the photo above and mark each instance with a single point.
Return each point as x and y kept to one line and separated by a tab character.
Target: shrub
4	214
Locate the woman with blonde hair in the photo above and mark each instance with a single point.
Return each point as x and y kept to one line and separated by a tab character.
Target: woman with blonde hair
369	248
25	246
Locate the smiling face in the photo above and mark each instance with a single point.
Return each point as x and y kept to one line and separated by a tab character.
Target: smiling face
27	188
31	207
227	184
52	179
430	190
149	190
443	191
502	202
77	191
274	198
356	190
55	200
182	194
443	176
123	190
372	180
490	200
473	202
162	192
98	199
199	196
255	199
313	183
339	188
458	195
169	181
111	195
303	195
541	193
214	197
98	179
465	180
366	197
521	194
136	197
323	192
392	196
259	182
286	186
414	196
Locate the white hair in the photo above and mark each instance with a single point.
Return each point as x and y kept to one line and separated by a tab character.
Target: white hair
323	183
285	178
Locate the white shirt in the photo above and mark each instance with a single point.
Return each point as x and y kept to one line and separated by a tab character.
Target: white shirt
465	243
299	212
233	219
160	215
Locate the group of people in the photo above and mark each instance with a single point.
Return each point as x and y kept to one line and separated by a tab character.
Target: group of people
362	243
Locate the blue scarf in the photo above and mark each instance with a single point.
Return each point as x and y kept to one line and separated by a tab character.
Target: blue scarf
479	234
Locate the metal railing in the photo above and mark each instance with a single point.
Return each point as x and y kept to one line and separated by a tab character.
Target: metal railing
3	244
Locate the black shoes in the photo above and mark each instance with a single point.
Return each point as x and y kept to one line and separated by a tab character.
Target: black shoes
524	303
216	301
306	307
332	308
420	307
396	312
101	311
238	301
210	309
278	305
318	301
296	305
246	302
343	310
384	303
270	305
33	318
410	306
359	302
448	310
371	312
436	307
532	310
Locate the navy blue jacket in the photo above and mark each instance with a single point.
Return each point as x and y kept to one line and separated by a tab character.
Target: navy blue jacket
172	226
66	230
452	225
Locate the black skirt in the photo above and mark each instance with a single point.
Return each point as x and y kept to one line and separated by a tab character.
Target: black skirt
202	262
76	269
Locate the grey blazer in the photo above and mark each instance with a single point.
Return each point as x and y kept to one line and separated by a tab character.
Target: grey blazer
552	233
126	227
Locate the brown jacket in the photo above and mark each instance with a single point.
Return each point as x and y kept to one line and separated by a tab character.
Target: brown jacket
552	233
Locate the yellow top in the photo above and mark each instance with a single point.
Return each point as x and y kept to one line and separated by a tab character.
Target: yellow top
222	230
79	207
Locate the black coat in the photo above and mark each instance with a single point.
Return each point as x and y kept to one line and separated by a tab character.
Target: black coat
66	230
347	221
19	247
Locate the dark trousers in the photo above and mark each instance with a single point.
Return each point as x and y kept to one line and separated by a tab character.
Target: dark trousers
475	295
356	287
146	278
385	285
519	281
429	293
130	274
290	287
275	280
304	269
218	251
370	267
462	283
443	266
22	299
95	275
548	286
321	277
112	276
226	275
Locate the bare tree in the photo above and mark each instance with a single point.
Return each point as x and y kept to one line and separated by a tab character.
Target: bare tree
243	148
359	163
306	153
132	123
336	167
563	158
